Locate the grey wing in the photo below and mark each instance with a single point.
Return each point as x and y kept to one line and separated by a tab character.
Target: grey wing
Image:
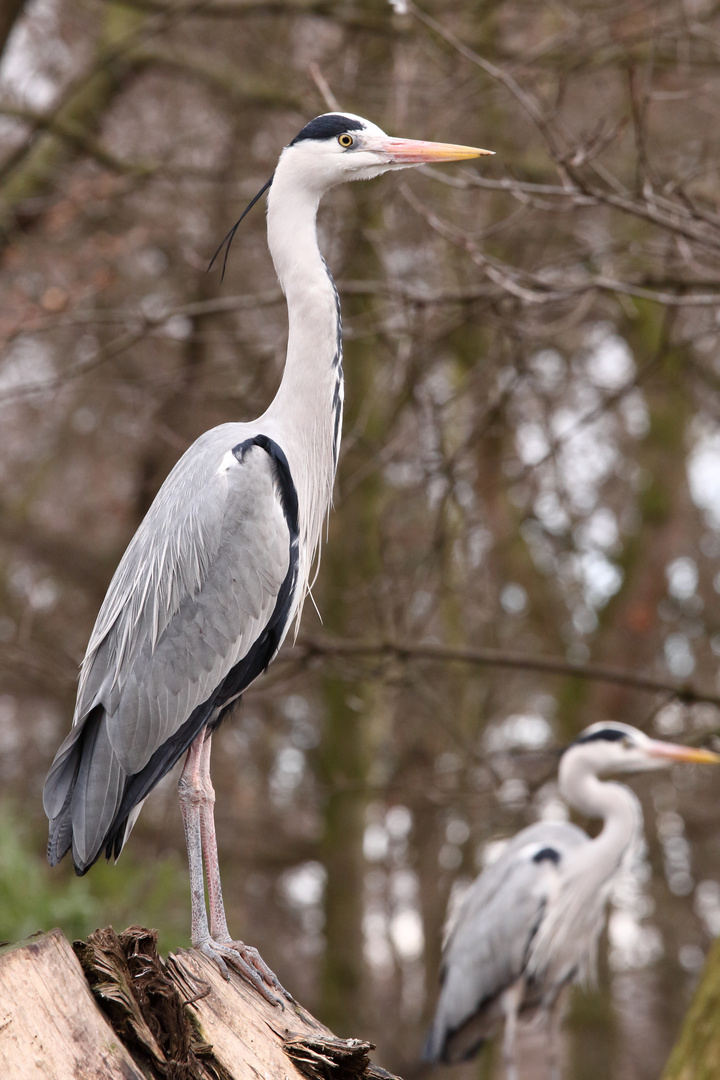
194	593
488	944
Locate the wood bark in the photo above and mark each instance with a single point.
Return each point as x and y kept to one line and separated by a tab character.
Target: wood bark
50	1025
696	1054
110	1007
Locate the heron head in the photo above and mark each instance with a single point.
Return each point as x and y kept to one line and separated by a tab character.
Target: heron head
611	748
337	147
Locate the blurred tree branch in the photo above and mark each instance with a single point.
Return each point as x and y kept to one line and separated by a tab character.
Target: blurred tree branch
253	91
407	651
75	134
10	12
546	286
235	9
33	167
70	561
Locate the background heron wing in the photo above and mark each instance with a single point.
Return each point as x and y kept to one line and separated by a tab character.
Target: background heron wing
489	940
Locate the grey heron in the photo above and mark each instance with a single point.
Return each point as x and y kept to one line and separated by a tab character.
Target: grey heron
529	924
219	568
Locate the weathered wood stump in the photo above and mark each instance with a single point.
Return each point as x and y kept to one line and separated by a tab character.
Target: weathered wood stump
110	1008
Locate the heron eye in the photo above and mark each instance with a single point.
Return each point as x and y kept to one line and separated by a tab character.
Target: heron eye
346	140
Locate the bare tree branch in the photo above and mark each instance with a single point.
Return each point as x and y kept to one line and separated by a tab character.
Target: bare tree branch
76	135
406	652
10	12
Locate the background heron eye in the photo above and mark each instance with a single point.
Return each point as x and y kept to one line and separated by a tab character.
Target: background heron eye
345	140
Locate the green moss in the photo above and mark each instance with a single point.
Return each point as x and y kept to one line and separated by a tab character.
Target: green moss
33	896
696	1055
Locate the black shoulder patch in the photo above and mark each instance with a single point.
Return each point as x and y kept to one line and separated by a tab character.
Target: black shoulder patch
327	127
547	854
288	493
267	644
610	734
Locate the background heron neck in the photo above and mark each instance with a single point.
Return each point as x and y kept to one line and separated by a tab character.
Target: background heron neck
615	803
565	945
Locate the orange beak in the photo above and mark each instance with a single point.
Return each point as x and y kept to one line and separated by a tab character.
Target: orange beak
416	152
673	752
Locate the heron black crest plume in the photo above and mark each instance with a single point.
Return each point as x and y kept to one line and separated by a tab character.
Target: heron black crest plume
228	239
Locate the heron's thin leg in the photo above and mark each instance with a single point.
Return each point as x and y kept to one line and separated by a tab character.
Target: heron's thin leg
511	1004
244	958
218	919
188	788
554	1023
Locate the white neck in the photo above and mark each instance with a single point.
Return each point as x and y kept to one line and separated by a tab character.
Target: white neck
565	945
615	803
306	414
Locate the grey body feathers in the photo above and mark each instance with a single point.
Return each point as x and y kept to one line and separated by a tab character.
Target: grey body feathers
490	941
196	587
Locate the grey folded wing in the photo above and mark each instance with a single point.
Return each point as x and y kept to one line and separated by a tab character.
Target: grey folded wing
488	944
194	592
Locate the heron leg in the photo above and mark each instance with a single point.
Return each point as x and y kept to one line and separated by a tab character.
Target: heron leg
188	789
218	920
511	1005
554	1023
197	801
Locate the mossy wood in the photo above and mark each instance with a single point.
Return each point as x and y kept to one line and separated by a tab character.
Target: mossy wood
696	1054
110	1007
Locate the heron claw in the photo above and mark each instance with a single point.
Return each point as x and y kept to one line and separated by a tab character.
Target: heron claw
248	963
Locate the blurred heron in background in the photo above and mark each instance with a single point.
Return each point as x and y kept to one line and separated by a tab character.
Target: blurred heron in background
529	924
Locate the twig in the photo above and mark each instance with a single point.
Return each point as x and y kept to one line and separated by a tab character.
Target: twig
407	652
323	87
487	66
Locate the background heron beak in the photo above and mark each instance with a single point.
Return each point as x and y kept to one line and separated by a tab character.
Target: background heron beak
416	152
673	752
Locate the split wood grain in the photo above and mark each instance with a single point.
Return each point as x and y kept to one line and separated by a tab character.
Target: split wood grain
50	1025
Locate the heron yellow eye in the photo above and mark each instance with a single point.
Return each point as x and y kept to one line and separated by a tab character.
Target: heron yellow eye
345	140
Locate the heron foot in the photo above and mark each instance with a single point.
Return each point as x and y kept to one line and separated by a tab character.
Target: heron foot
248	962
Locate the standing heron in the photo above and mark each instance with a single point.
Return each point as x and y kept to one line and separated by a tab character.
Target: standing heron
529	924
219	568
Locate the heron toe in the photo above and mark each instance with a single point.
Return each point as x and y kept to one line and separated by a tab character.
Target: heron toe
248	963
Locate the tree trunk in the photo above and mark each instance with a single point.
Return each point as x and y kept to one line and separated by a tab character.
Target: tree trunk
141	1018
696	1055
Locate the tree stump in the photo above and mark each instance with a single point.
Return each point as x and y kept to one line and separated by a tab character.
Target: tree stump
109	1008
50	1025
696	1054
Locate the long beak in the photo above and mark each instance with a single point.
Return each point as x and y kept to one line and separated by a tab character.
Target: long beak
673	752
416	152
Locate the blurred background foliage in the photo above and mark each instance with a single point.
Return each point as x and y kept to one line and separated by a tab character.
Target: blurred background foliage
527	528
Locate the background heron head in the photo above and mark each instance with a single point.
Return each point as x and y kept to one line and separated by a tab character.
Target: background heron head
610	748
